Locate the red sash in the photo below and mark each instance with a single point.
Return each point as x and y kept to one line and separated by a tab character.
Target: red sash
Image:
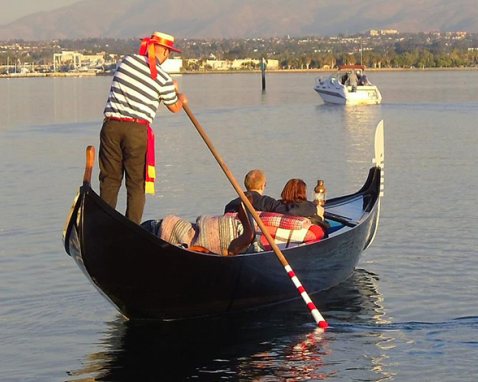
150	171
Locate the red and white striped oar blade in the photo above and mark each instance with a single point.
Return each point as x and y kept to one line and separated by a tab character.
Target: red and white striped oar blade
321	323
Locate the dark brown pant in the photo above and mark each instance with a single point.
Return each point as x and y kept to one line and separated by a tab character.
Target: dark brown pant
123	151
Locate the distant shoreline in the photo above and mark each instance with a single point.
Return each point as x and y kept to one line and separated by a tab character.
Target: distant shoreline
281	71
36	75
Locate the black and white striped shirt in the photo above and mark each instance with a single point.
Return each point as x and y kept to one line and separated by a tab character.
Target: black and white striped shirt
134	94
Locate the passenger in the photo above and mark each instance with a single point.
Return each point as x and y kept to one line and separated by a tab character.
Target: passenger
345	78
364	80
352	81
255	182
294	202
359	77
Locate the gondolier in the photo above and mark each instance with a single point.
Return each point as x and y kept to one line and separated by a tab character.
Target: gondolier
126	139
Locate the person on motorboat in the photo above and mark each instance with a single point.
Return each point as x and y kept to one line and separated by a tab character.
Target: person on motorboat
363	80
345	79
352	80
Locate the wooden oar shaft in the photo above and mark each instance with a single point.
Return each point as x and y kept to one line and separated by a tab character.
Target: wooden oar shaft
90	159
314	311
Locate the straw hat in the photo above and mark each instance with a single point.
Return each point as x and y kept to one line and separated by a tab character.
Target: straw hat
165	40
147	49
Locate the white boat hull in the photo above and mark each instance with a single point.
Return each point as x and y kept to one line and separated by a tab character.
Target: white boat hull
364	95
331	90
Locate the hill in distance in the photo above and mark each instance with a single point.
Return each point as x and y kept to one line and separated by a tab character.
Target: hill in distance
242	18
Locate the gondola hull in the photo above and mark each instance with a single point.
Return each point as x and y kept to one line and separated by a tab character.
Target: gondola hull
148	278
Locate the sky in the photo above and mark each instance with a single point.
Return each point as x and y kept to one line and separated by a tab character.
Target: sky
12	10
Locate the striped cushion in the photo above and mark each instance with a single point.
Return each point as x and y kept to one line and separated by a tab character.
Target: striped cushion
210	233
216	233
176	231
287	237
287	230
275	219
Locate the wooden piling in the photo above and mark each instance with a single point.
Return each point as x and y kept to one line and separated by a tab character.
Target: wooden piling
263	70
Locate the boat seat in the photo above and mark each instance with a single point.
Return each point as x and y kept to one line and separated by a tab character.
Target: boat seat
152	226
334	226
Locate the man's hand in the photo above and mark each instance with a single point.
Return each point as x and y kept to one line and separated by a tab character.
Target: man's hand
182	98
176	87
175	107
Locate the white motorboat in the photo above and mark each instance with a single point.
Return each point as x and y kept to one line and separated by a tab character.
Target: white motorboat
349	86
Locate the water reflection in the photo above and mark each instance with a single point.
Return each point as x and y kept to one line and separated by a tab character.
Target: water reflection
349	130
278	344
355	301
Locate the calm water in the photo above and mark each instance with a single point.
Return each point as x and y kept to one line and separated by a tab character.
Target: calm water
408	314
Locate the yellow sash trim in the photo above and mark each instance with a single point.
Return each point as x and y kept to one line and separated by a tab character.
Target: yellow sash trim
151	172
149	188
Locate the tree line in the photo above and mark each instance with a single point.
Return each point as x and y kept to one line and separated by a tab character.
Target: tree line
421	50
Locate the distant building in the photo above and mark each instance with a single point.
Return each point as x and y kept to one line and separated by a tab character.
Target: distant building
216	65
172	65
73	60
388	31
382	32
459	35
238	64
248	62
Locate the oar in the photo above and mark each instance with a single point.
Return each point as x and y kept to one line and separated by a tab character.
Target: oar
313	309
90	159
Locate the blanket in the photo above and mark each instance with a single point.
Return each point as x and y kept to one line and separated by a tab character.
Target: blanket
275	219
214	233
176	231
288	237
287	230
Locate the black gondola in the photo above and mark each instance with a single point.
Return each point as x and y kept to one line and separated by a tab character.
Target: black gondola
148	278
